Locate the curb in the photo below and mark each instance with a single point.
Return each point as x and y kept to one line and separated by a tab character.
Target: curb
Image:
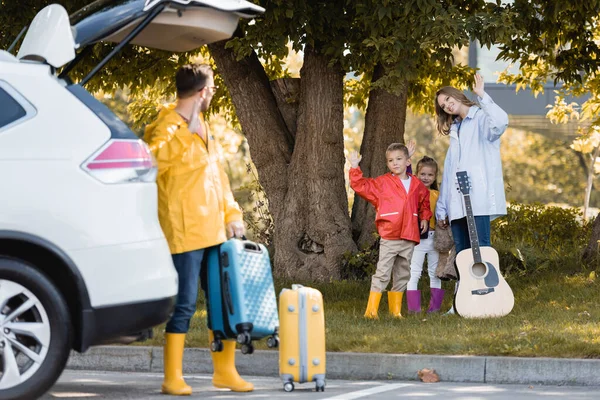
358	366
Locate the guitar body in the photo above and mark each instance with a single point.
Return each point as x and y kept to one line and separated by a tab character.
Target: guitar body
482	291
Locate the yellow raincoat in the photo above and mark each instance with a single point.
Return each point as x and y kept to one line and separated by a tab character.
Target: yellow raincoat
433	198
194	197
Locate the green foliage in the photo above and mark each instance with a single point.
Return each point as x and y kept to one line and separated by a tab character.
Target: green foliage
258	220
534	237
555	315
529	239
556	33
542	169
559	42
362	264
413	39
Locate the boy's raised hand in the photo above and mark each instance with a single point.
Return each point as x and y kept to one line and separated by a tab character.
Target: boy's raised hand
354	159
412	147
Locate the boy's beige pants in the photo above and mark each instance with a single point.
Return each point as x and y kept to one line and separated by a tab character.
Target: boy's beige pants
394	262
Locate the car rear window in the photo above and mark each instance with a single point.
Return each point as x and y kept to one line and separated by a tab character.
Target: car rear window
11	110
118	129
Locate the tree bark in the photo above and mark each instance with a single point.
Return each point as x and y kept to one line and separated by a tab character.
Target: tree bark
384	124
295	134
592	251
590	182
270	141
315	231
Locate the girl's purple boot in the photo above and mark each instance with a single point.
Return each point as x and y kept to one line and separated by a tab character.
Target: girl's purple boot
437	296
413	299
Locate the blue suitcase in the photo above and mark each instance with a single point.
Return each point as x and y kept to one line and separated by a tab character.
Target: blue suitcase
241	302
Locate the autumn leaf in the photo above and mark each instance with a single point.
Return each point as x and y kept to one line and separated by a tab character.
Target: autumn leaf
428	375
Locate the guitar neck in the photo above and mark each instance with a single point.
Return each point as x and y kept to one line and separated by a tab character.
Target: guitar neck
472	230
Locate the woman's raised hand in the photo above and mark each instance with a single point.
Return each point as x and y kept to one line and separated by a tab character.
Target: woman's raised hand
478	85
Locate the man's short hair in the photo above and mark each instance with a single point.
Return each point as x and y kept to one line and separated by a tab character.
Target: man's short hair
395	147
191	78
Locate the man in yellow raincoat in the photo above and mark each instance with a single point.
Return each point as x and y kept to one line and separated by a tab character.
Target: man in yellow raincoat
196	210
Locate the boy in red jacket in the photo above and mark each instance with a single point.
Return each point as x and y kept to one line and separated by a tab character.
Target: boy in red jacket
401	201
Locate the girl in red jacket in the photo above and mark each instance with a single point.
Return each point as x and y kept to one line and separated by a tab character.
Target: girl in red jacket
401	201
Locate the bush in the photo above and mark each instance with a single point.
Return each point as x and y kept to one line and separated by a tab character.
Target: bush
531	237
362	264
534	237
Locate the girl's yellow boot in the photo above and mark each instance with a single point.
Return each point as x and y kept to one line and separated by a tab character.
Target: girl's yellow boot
173	365
373	305
226	375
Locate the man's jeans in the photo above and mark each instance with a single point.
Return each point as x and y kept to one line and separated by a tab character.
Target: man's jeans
460	231
188	266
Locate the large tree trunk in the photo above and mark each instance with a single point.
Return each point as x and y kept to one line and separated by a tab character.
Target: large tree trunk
315	231
270	141
384	125
590	181
302	170
592	251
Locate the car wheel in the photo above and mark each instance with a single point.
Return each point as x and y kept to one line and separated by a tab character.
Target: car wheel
35	331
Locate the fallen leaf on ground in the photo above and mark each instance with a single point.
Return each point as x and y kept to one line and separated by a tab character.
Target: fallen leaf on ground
428	375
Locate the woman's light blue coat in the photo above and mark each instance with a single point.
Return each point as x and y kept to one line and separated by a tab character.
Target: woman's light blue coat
475	148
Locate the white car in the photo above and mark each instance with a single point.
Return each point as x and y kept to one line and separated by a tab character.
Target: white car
83	260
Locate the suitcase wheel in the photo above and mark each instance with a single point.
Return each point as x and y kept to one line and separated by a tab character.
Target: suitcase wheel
320	386
244	338
273	342
247	349
216	346
288	387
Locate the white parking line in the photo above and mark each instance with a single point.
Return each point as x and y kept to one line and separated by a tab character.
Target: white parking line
367	392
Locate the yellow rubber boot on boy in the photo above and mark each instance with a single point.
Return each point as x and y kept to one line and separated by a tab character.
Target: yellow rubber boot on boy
395	303
373	305
226	375
173	365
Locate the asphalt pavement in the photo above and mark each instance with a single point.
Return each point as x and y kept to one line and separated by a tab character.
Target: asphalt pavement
137	386
360	366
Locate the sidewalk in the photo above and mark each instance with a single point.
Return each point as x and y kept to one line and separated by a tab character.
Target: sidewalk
359	366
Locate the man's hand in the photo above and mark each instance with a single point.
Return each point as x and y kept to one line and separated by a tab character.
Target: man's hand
424	225
235	229
478	86
354	159
194	120
412	147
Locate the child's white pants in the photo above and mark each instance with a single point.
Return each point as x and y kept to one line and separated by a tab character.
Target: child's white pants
425	248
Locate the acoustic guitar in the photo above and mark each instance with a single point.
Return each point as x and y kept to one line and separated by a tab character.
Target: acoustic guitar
482	291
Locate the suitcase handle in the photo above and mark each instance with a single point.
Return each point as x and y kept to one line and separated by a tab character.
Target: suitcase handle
253	247
227	293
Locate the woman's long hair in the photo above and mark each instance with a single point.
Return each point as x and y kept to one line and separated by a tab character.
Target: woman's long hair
444	120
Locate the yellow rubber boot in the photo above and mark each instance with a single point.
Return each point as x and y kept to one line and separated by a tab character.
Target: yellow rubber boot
226	375
173	365
395	303
373	305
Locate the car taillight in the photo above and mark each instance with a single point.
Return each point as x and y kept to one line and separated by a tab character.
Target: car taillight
122	161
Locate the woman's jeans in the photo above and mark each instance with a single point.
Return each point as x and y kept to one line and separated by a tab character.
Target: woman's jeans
460	232
188	266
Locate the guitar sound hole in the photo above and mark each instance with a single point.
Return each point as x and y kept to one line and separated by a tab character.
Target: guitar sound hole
479	270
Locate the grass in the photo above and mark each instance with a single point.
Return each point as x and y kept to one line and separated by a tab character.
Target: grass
555	315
